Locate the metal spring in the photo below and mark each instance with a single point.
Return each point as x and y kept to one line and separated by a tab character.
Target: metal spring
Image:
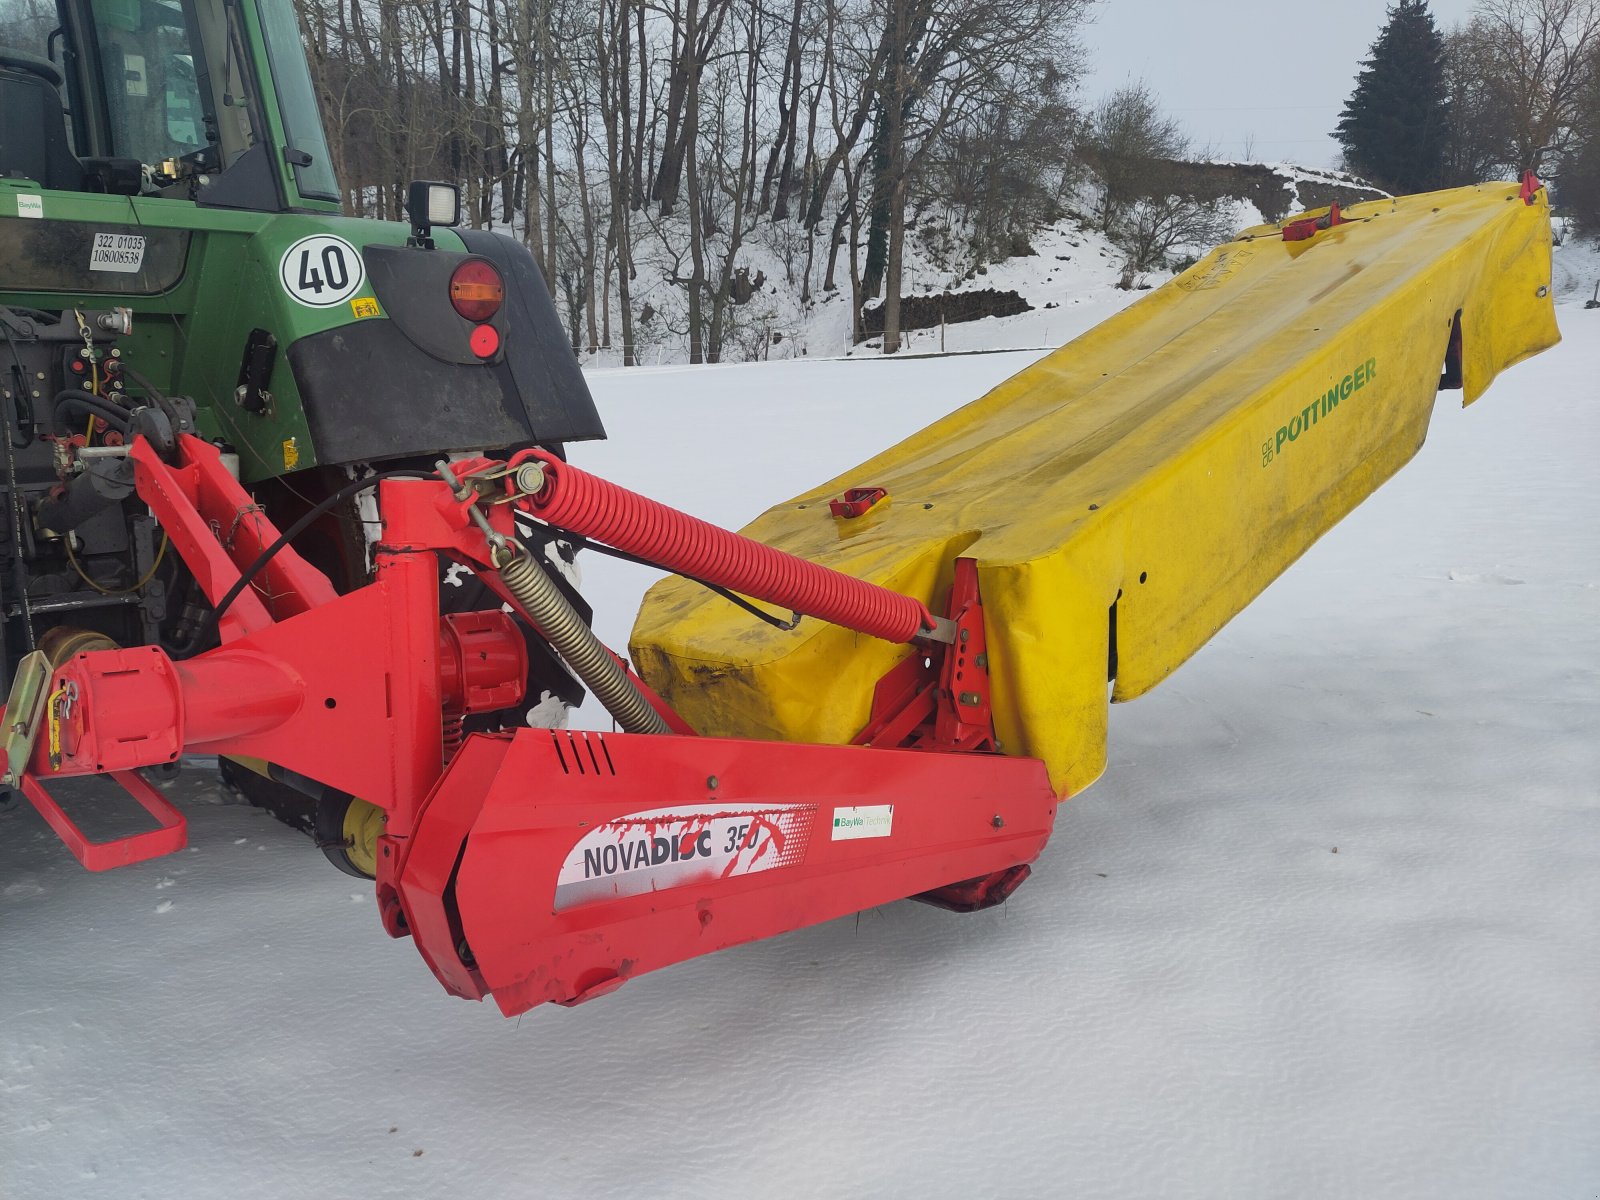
455	733
577	645
570	498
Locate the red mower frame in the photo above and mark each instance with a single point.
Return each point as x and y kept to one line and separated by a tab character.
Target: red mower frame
537	865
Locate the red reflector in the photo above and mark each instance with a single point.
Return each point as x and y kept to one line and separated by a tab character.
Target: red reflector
485	341
476	290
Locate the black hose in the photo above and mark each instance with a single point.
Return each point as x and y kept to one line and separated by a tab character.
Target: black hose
157	396
208	627
17	503
582	543
116	417
22	395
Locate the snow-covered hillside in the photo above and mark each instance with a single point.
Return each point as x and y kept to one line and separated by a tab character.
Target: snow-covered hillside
1328	926
1576	267
1070	282
1070	279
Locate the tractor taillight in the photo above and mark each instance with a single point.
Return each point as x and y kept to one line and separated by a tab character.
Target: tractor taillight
476	290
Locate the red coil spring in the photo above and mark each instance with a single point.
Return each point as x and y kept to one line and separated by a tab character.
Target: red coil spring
455	733
575	500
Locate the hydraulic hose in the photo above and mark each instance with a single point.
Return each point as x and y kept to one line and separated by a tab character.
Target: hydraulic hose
156	396
595	508
577	645
115	417
209	626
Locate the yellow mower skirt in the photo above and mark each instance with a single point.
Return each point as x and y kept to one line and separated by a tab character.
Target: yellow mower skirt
1171	463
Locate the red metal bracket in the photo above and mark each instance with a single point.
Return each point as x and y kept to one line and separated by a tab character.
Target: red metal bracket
939	699
354	691
1308	227
975	895
856	501
219	529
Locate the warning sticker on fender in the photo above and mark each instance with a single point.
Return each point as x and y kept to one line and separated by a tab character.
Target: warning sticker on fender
670	847
117	252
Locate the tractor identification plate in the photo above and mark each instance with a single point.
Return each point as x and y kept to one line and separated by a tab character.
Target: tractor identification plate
670	847
321	271
117	252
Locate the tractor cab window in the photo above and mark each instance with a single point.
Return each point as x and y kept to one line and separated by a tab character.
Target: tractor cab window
35	133
160	97
147	52
308	147
27	43
25	27
158	85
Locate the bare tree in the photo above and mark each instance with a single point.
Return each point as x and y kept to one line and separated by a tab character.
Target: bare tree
1480	144
831	120
1153	227
1536	56
1126	141
946	62
614	50
1580	166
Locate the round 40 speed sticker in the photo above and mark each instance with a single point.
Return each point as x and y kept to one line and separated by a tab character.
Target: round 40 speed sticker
321	270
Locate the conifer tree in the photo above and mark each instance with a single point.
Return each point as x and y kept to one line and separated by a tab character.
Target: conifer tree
1396	122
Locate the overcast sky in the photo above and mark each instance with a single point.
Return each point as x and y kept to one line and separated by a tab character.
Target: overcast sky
1231	70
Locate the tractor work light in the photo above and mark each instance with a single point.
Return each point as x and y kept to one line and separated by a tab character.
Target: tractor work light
428	204
433	203
476	290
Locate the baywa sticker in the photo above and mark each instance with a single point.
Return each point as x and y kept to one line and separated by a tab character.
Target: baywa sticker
670	847
862	821
117	252
321	271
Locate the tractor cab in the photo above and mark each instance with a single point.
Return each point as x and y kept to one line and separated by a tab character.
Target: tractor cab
203	100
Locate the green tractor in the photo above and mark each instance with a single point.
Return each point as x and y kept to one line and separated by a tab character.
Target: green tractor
173	259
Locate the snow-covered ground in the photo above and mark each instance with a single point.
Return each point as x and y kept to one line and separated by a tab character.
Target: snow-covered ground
1328	927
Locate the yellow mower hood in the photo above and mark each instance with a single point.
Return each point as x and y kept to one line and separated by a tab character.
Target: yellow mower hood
1170	462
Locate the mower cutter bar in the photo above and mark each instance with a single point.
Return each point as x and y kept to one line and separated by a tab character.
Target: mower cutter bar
554	866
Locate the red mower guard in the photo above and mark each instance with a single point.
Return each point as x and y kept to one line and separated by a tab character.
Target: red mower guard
537	865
